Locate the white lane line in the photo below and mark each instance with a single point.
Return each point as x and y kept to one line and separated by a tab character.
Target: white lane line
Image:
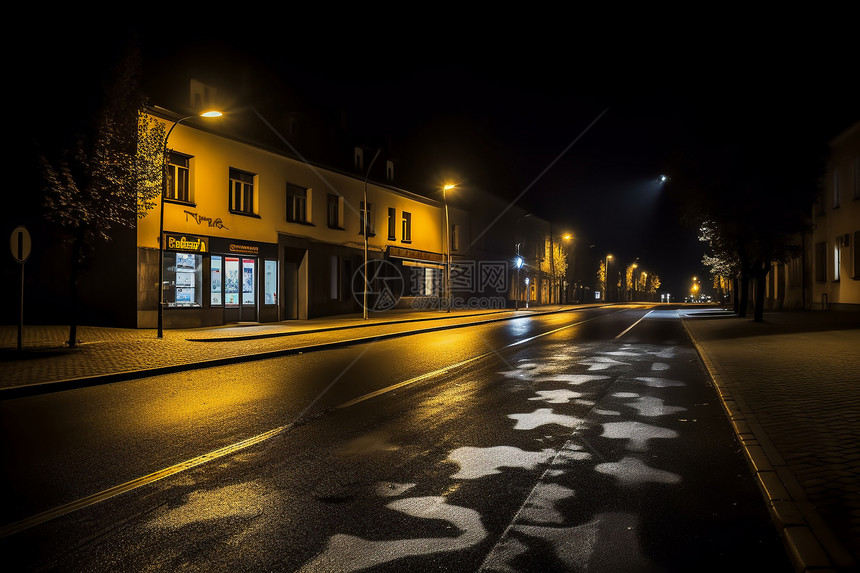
629	328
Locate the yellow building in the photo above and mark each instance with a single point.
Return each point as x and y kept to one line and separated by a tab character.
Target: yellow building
256	235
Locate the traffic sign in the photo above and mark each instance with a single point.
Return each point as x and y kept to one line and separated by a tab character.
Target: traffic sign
20	244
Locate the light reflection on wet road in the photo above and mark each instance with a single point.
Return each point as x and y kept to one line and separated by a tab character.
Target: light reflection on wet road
575	451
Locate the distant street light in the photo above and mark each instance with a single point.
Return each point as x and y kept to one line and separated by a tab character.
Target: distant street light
164	170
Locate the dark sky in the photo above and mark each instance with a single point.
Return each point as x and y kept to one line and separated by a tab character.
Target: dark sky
573	117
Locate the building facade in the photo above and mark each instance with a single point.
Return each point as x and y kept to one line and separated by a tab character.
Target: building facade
826	274
836	227
252	235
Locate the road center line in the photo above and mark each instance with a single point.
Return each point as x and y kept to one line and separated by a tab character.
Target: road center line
445	369
629	328
83	502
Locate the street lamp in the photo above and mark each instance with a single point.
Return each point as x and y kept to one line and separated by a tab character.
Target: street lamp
447	248
567	238
606	272
164	170
633	268
364	231
518	263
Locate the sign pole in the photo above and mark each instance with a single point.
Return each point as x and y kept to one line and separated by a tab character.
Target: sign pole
21	311
20	243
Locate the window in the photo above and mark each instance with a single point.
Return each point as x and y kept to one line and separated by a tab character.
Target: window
335	203
183	275
270	290
857	178
855	255
455	237
248	280
241	191
821	262
297	204
216	293
835	189
392	223
406	236
389	170
368	216
837	260
177	177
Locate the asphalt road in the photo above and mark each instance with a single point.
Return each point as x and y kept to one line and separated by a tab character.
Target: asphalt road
581	441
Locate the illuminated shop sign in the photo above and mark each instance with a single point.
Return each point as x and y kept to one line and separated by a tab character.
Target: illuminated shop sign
244	249
186	243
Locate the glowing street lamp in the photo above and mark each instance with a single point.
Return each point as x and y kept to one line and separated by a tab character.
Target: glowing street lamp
445	189
566	240
606	272
518	263
164	170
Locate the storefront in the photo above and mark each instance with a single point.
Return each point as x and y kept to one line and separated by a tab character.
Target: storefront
211	280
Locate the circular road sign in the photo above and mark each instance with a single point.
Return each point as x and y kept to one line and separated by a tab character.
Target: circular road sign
20	244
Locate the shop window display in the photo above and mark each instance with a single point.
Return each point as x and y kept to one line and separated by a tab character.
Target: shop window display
183	277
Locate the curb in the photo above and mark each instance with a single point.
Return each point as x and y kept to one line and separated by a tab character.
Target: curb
25	390
811	545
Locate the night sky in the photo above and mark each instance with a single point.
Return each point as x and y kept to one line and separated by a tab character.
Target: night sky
571	117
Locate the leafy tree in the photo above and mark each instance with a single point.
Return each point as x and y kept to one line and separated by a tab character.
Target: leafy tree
554	265
92	187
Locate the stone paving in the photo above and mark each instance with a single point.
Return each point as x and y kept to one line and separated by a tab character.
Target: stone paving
790	386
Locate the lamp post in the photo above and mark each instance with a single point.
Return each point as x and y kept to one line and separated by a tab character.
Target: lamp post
518	262
164	169
566	238
364	231
447	249
606	272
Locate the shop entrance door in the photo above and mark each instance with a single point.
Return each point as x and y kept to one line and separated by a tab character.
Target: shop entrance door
294	297
240	289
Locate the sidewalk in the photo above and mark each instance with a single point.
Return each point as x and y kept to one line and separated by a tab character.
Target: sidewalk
790	387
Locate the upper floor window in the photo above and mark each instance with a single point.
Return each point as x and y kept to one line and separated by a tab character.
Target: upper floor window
406	236
335	212
297	203
392	223
835	189
241	191
455	237
178	188
366	215
857	178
